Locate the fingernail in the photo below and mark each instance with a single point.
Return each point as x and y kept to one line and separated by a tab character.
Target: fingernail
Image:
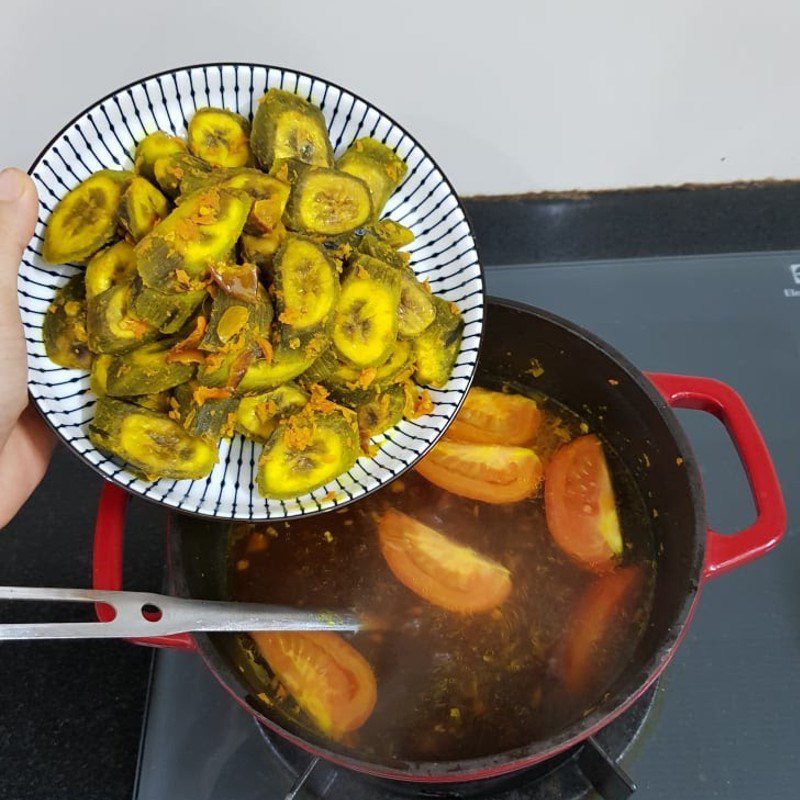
12	185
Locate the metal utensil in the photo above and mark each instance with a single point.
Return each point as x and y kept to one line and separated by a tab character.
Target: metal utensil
145	614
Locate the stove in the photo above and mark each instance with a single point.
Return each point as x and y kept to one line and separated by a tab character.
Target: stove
722	722
569	776
216	750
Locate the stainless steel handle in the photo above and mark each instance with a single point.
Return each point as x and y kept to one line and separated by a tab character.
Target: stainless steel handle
177	615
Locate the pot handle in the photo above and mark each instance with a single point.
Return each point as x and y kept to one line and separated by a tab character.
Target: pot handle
725	552
109	534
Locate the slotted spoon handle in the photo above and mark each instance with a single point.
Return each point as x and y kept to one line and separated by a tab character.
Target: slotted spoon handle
145	614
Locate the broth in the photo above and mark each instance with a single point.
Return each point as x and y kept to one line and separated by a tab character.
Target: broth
453	686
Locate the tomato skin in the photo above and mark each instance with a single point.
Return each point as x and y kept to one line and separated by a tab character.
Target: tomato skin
491	473
596	614
488	417
329	678
440	570
580	504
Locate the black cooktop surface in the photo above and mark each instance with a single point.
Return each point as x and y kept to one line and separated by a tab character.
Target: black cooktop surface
724	721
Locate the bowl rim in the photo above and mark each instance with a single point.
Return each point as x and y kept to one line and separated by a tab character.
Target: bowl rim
408	464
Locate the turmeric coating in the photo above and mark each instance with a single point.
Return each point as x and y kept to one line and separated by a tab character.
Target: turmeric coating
240	281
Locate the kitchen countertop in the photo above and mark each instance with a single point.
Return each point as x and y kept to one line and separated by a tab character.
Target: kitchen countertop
71	712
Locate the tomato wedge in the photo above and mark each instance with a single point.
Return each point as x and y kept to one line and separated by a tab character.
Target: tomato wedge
580	505
329	678
601	608
440	570
492	473
495	418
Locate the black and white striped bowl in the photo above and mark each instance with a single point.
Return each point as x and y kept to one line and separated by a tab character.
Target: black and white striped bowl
105	136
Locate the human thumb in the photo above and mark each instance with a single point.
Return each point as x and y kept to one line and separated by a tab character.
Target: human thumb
18	209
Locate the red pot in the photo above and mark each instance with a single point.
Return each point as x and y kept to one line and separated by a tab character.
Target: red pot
636	418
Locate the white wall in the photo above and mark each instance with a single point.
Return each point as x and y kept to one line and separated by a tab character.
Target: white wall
508	96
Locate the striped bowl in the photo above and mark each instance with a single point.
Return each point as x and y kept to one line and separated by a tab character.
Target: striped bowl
105	136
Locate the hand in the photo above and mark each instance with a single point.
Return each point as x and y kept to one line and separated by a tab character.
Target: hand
26	443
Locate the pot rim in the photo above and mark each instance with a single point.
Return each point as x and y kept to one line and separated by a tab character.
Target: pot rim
577	732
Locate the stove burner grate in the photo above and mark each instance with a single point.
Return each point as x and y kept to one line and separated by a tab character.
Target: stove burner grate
591	766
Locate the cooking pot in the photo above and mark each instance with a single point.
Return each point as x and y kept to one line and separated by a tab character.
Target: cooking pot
632	412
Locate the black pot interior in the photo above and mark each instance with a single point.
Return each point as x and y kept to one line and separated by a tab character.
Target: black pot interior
615	399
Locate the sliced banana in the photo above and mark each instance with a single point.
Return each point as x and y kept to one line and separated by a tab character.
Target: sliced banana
436	348
64	328
258	415
202	230
377	165
306	452
110	267
261	250
383	411
154	444
306	285
178	173
286	126
416	310
85	219
326	202
141	208
365	323
220	137
153	147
